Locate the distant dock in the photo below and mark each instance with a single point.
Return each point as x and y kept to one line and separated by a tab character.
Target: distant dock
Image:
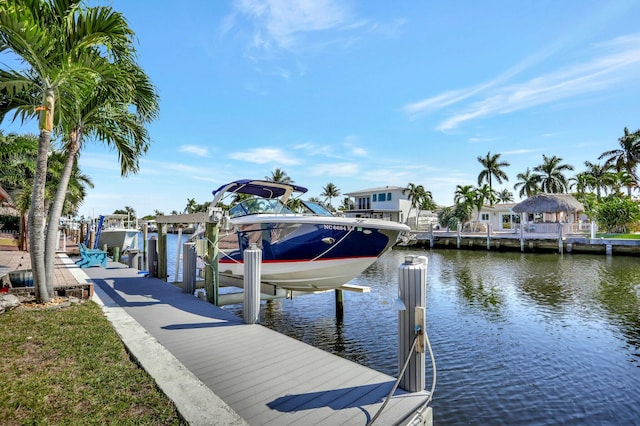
527	243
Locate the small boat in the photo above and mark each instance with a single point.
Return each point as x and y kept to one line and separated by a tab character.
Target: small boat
304	246
113	231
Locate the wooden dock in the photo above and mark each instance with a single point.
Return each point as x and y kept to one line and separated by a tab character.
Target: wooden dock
264	376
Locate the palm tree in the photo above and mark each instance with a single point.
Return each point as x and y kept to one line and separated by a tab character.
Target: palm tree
492	168
581	182
330	191
191	205
528	184
104	113
598	176
465	199
347	204
627	156
280	176
505	196
552	179
619	179
61	44
415	194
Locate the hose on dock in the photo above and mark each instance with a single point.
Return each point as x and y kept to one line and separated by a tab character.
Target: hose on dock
404	367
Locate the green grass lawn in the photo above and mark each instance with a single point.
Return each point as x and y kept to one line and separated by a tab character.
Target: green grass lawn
68	366
620	236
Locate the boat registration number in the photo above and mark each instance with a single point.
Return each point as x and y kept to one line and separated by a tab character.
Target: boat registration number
337	227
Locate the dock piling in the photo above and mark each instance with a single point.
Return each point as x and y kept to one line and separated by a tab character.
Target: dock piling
152	257
252	272
339	304
189	259
412	291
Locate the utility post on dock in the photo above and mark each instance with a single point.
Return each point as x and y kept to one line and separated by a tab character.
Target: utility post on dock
412	291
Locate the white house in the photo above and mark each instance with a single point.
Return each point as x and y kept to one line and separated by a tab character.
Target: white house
500	216
387	203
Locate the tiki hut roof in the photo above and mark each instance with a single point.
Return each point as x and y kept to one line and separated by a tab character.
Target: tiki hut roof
549	203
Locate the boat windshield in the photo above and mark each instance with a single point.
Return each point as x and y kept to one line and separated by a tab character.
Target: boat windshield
258	206
315	209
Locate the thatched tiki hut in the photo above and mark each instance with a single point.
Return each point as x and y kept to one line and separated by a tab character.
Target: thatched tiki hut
550	208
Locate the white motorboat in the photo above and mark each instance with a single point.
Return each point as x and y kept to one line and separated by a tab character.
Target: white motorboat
308	249
114	231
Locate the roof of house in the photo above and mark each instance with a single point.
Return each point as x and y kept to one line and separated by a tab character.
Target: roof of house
500	207
375	190
549	203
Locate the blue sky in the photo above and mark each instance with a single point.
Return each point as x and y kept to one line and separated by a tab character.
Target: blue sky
370	93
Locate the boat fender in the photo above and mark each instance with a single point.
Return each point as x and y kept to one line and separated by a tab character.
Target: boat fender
328	240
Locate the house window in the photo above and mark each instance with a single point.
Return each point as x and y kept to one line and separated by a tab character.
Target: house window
364	203
381	197
374	197
484	217
388	196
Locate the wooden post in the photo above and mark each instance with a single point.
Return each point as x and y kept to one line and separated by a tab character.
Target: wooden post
162	252
339	304
211	263
488	236
145	248
132	260
521	236
179	245
560	243
458	240
116	254
252	277
189	268
431	237
412	291
153	257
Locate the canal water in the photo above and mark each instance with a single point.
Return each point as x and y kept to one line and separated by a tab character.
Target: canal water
541	339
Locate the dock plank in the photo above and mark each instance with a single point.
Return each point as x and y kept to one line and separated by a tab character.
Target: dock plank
266	377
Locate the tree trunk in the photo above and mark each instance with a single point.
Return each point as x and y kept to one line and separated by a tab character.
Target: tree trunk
43	289
55	210
37	220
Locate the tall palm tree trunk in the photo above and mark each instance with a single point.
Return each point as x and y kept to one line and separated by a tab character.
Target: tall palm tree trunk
43	287
37	221
55	210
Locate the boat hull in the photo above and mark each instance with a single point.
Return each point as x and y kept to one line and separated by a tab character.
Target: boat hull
122	238
305	254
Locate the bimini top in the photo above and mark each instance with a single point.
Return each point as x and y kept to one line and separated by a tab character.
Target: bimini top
260	188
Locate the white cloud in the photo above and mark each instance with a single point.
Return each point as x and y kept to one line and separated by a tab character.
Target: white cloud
519	151
200	151
335	169
282	22
264	156
615	62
